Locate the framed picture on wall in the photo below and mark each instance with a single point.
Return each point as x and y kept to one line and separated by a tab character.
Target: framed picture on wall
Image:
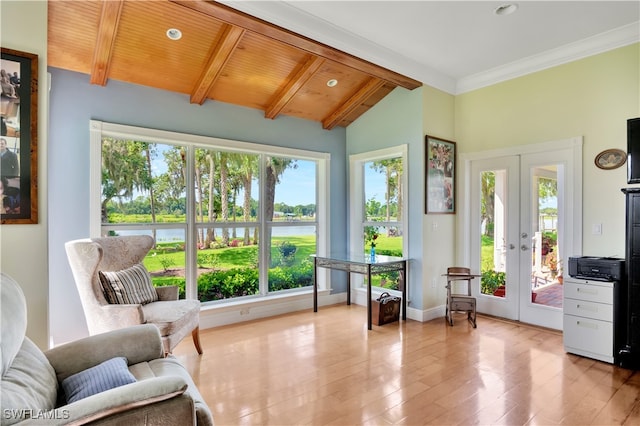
19	137
440	175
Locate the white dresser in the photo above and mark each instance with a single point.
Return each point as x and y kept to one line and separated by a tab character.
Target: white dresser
588	318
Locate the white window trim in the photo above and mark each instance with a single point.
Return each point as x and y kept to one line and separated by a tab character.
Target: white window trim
100	129
357	195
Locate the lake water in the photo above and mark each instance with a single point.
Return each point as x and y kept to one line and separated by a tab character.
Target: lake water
174	235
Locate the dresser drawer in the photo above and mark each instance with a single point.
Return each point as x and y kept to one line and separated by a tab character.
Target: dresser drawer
586	309
588	335
592	292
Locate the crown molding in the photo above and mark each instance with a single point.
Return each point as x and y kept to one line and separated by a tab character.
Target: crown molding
293	19
594	45
296	20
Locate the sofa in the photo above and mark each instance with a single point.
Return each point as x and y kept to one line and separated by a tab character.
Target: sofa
70	384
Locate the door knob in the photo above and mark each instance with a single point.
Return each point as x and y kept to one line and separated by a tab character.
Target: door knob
524	235
511	246
524	247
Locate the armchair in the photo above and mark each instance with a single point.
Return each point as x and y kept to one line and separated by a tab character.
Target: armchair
87	257
162	392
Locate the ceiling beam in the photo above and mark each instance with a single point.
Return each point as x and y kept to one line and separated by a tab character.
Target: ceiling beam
303	75
259	26
107	30
231	36
358	98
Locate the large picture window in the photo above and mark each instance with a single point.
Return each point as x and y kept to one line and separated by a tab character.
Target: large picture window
230	219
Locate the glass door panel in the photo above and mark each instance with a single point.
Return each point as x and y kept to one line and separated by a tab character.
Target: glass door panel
494	230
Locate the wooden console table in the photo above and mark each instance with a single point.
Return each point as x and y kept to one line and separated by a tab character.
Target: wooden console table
362	264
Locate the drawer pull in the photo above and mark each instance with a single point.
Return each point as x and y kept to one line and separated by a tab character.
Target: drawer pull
587	308
587	325
587	290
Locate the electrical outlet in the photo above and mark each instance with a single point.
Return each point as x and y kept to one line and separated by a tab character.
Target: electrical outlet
434	282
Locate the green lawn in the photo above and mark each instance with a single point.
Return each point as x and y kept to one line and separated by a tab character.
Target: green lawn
233	257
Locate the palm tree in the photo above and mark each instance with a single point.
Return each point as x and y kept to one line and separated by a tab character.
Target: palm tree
224	195
245	166
274	169
392	168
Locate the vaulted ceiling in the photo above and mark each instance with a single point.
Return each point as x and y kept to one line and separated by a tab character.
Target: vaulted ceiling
223	56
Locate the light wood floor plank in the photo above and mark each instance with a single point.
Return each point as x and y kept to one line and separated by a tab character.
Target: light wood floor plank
326	368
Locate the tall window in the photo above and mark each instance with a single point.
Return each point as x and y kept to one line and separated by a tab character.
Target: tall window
230	220
378	186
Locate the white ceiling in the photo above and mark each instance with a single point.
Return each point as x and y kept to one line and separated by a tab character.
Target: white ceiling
458	46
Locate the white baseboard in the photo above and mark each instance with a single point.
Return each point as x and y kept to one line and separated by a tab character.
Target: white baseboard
247	310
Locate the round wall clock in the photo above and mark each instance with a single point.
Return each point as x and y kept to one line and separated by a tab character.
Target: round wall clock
610	159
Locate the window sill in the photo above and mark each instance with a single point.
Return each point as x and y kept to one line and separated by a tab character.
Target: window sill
234	311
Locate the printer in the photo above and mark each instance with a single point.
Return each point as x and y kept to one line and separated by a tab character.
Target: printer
596	268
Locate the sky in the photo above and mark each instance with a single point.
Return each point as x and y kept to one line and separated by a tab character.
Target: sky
297	185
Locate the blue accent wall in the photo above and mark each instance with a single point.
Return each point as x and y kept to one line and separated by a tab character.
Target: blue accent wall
397	120
73	102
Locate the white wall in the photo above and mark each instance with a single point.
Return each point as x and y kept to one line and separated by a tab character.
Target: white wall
23	248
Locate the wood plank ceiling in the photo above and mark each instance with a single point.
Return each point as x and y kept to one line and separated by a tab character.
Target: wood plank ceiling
223	55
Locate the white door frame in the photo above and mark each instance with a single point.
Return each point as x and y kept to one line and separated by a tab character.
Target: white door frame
572	206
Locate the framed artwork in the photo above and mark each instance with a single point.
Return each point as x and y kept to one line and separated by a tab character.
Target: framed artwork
440	175
19	137
610	159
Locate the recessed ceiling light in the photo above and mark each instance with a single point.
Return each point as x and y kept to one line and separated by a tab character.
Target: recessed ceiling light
505	9
174	34
332	82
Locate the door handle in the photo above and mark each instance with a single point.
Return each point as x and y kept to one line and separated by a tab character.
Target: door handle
524	247
511	246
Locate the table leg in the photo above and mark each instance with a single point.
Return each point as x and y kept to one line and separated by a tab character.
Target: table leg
315	285
404	290
348	287
369	319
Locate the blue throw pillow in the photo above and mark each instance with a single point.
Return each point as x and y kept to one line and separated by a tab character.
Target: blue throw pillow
107	375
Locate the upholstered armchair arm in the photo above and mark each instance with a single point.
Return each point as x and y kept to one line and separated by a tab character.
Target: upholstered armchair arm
116	316
131	398
138	343
169	292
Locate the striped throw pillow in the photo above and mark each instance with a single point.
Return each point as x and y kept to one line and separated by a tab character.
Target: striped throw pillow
110	374
128	286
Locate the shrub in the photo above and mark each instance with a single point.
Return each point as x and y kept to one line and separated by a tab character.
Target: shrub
166	262
287	253
279	279
226	284
491	280
207	259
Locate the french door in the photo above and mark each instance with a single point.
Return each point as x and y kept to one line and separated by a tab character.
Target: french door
518	234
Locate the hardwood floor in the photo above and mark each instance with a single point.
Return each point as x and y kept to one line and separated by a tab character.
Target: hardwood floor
327	369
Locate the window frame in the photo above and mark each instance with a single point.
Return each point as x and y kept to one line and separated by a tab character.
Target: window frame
357	213
99	130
